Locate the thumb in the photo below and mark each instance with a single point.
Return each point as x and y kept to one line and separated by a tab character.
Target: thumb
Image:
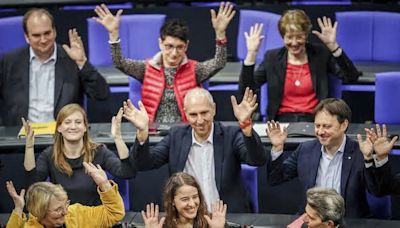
22	193
208	219
394	139
67	49
162	220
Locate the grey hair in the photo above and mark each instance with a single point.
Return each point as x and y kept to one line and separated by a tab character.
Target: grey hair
198	92
328	204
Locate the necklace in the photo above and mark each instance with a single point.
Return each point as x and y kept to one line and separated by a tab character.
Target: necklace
297	81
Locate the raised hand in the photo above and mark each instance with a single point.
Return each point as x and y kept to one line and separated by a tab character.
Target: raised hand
221	20
150	217
116	124
244	110
276	135
254	37
108	20
218	215
98	175
366	146
29	133
328	32
137	117
19	201
382	146
75	50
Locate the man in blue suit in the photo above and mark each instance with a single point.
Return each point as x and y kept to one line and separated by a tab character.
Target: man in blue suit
206	149
333	160
37	80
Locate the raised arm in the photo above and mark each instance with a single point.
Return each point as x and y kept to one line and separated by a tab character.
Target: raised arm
244	110
123	151
139	119
221	20
19	201
29	158
75	50
109	21
277	135
253	43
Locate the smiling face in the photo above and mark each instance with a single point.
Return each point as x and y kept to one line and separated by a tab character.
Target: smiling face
41	35
328	130
186	202
173	51
73	127
200	113
55	216
295	42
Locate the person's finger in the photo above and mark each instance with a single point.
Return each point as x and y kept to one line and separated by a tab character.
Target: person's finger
384	130
234	101
162	220
359	139
119	13
22	193
213	14
378	130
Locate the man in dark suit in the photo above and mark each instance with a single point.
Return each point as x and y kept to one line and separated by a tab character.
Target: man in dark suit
205	149
333	160
38	80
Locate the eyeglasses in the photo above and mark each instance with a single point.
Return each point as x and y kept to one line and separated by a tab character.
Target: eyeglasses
178	48
61	209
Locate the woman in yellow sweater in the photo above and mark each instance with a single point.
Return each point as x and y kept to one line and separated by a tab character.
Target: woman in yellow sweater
48	205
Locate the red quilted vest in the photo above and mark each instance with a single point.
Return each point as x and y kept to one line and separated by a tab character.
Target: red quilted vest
154	84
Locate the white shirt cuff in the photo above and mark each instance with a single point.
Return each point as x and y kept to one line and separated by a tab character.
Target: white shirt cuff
381	162
275	154
114	42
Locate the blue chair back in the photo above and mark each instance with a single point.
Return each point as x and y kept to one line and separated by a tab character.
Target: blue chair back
249	178
12	34
272	37
123	188
319	2
369	35
380	207
387	97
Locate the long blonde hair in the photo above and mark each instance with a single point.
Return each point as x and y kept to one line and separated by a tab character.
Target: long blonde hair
89	146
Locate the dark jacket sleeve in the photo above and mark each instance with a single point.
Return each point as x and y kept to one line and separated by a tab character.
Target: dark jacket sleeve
381	181
42	168
284	168
145	158
344	68
113	164
94	84
250	149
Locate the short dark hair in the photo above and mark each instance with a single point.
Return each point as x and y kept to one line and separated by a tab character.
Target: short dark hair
175	28
336	107
38	11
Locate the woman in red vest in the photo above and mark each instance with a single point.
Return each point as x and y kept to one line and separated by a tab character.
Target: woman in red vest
170	73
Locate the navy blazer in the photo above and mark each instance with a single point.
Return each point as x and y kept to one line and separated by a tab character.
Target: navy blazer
272	70
304	162
231	148
70	84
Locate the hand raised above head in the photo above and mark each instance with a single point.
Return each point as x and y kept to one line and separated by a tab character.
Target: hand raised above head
245	109
107	19
150	217
254	37
221	20
328	32
75	50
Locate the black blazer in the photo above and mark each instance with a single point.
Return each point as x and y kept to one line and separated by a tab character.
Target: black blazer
273	71
70	84
231	148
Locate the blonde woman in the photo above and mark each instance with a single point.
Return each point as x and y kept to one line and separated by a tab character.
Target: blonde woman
63	161
48	204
